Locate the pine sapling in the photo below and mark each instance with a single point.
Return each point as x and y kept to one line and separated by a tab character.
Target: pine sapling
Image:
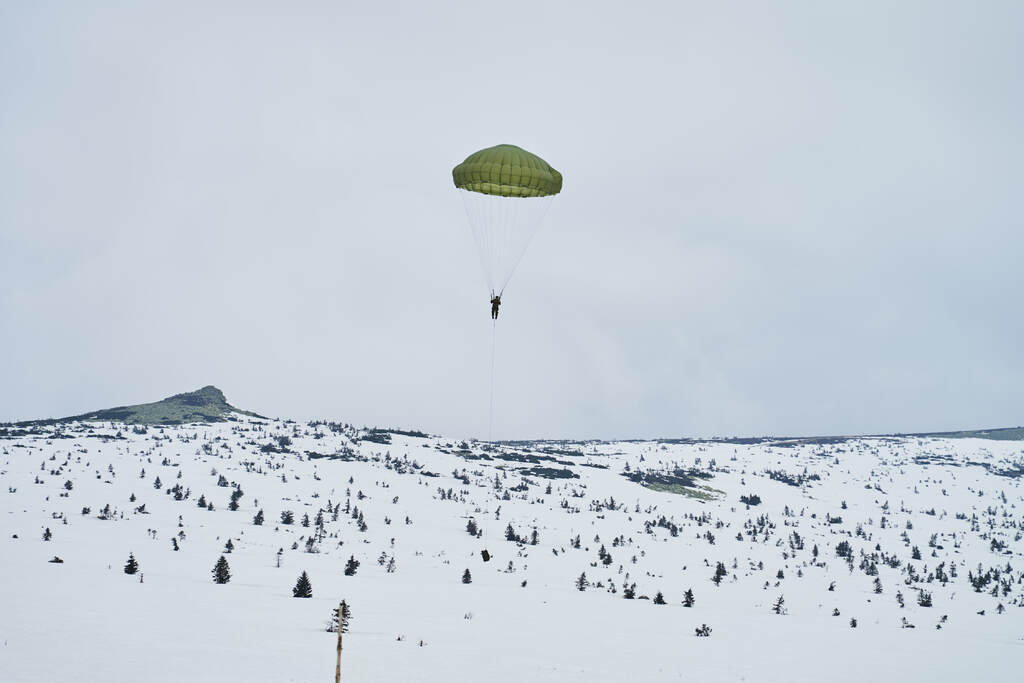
303	588
221	571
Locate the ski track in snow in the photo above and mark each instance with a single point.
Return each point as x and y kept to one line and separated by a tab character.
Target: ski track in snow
86	619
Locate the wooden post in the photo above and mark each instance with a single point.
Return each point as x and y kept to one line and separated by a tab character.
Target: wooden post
337	668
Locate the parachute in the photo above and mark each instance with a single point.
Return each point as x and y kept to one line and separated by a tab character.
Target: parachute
506	191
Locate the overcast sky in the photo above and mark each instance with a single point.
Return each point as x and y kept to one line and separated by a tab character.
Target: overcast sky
777	218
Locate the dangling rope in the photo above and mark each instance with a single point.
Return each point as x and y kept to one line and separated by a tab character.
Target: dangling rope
490	418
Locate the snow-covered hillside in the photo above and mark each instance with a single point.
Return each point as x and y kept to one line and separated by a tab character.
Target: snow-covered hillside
862	531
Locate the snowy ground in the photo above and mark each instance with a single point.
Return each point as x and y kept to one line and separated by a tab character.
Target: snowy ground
959	502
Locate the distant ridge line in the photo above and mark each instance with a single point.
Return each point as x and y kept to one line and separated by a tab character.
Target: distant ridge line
208	404
202	405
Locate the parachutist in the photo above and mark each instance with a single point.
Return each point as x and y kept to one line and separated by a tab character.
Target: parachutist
506	191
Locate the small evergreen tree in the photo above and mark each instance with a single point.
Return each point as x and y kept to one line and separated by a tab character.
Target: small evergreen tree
720	573
659	599
629	591
47	534
221	571
346	615
258	519
582	583
471	527
351	566
303	588
287	517
878	585
131	566
777	607
467	577
688	598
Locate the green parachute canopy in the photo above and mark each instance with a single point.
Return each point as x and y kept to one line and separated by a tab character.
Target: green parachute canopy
507	171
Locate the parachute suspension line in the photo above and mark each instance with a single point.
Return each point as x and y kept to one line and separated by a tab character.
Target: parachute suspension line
544	204
502	228
491	416
475	212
